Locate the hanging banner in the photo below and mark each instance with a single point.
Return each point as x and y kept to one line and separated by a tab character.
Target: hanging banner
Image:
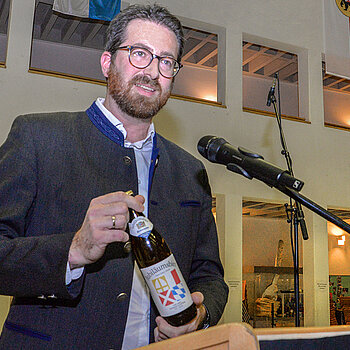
104	10
337	37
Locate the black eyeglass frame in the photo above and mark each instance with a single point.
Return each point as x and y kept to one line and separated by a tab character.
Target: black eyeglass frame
130	47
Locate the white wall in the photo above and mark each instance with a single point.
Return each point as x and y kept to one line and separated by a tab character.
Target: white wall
58	58
337	107
260	242
339	257
320	155
256	90
196	82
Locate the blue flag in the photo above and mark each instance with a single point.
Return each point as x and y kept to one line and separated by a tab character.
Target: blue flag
104	10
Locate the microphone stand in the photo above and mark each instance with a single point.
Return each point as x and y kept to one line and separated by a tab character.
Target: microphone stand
245	168
295	215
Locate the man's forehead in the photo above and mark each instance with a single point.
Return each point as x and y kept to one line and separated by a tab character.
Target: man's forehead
152	35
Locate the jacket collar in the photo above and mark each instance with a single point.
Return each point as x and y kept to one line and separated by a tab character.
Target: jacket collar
104	125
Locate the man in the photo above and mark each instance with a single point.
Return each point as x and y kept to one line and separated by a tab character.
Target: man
64	252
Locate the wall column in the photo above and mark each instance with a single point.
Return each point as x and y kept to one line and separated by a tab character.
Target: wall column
316	272
229	221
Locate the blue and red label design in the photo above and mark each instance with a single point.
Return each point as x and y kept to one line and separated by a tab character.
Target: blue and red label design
167	295
167	286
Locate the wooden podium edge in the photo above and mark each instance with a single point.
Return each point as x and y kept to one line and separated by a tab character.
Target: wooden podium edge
232	336
266	334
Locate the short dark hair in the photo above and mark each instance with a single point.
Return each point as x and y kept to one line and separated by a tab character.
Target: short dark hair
154	13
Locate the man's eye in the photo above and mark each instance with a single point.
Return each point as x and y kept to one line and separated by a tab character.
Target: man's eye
139	53
167	62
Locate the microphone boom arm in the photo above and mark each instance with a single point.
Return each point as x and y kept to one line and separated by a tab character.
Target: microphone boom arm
253	166
315	208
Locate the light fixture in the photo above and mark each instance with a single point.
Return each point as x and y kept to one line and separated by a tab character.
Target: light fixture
342	240
210	97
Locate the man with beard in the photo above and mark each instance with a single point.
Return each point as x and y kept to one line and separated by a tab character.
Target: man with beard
65	255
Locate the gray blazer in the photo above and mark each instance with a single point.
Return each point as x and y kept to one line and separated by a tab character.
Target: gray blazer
51	166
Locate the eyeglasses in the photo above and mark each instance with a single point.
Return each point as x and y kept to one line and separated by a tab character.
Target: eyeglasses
141	58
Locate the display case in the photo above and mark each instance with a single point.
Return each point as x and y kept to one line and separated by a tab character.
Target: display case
269	297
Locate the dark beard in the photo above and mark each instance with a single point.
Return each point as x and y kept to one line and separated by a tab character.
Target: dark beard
135	105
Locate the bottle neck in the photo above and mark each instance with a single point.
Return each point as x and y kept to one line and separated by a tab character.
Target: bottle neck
133	214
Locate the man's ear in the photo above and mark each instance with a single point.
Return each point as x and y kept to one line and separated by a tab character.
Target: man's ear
105	61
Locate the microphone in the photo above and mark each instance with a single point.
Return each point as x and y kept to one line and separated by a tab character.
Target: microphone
271	92
247	163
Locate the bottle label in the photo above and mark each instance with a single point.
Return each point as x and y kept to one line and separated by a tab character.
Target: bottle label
140	227
167	286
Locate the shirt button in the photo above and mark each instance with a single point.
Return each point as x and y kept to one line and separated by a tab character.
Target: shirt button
122	296
127	160
52	296
127	247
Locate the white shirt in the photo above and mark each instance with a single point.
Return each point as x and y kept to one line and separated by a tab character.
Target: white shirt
137	325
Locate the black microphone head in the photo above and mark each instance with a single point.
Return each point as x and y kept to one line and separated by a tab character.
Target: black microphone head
208	146
203	144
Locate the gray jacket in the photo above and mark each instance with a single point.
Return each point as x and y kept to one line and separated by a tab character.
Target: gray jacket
51	166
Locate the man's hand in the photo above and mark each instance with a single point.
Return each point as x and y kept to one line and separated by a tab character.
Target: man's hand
166	331
90	242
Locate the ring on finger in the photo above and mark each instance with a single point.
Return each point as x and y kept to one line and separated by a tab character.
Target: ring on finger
113	222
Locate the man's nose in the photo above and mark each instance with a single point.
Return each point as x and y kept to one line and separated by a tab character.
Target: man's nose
152	70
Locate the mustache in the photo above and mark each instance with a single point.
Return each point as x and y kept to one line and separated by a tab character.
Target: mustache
144	79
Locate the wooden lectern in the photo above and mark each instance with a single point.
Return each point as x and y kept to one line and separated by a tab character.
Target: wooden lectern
232	336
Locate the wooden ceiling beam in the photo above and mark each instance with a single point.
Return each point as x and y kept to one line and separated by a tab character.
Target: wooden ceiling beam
69	30
288	70
92	33
346	86
189	64
268	60
208	57
246	45
209	39
254	55
277	66
336	82
197	47
47	26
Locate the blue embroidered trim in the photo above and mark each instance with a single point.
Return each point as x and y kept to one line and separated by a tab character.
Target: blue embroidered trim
104	125
27	331
190	204
108	129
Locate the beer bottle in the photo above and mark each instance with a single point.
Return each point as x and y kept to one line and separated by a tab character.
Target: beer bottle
160	271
